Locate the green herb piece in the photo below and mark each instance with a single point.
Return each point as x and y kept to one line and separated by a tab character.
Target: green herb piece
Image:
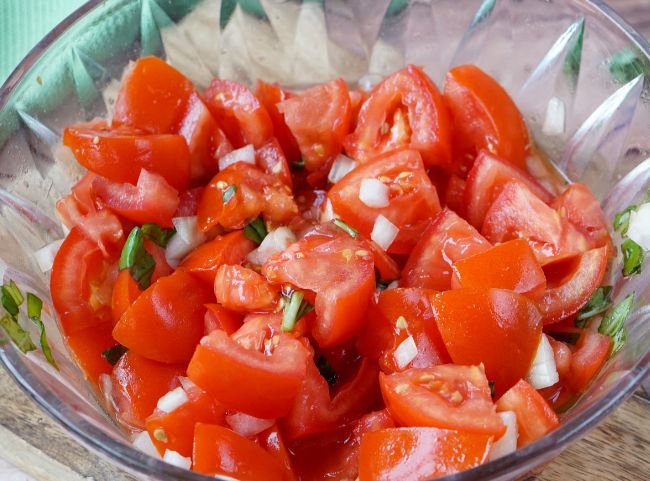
326	370
17	334
483	12
158	235
571	67
597	303
627	65
135	257
492	385
34	310
380	284
229	193
622	219
613	324
298	165
227	9
632	257
351	231
113	354
255	231
12	298
296	308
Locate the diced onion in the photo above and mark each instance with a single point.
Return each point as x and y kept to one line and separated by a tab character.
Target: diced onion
543	372
142	441
328	213
405	352
507	443
373	193
172	457
187	238
384	232
248	425
188	229
187	384
45	255
245	154
554	122
393	285
341	167
172	400
274	242
368	81
639	227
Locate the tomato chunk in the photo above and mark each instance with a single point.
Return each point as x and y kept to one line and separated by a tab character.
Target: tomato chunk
591	354
218	317
87	346
271	95
271	159
240	289
125	292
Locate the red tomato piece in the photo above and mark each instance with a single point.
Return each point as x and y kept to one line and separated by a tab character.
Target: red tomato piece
239	112
319	119
562	355
273	443
591	354
231	249
486	180
535	418
413	200
496	327
511	265
125	292
271	95
396	315
357	99
342	274
152	200
87	347
138	383
418	454
266	384
189	202
220	451
162	268
448	239
566	297
403	110
104	229
120	153
165	323
448	396
270	158
218	317
484	117
455	194
242	290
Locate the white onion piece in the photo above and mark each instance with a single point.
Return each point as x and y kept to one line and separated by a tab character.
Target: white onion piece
188	228
248	425
368	81
172	457
384	232
328	213
543	372
274	242
142	441
245	154
554	122
341	167
187	384
172	400
187	238
405	352
507	443
639	229
374	193
45	255
393	285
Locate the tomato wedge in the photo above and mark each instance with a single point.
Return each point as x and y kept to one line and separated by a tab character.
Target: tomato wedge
273	443
125	292
404	110
591	354
271	95
448	396
218	317
87	347
270	158
454	194
242	290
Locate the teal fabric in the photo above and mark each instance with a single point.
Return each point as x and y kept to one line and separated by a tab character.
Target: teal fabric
23	23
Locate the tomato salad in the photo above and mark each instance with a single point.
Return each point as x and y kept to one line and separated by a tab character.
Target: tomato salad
327	284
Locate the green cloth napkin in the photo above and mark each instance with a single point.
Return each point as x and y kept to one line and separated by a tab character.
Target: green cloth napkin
23	23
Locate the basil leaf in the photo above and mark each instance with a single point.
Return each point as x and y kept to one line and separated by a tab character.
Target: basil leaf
229	193
255	231
627	65
296	308
326	370
632	257
158	235
622	219
597	303
34	310
134	257
17	334
351	231
114	354
613	324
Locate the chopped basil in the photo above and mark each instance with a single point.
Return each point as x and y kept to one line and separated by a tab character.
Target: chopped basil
34	310
229	193
492	385
597	303
135	257
298	165
628	64
326	370
351	231
11	298
156	234
114	354
622	219
255	231
296	308
16	333
632	257
613	324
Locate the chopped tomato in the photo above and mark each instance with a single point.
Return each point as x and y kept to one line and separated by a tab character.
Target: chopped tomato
218	317
319	119
414	454
259	332
120	153
271	95
562	355
189	202
590	356
104	229
87	346
165	323
535	418
455	194
240	289
448	239
412	198
403	110
484	117
162	268
273	443
270	158
125	292
448	396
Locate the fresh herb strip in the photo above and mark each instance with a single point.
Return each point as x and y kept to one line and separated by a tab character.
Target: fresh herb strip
298	165
255	231
632	257
229	193
613	324
158	235
16	333
622	219
296	308
135	257
34	310
351	231
326	370
597	303
114	354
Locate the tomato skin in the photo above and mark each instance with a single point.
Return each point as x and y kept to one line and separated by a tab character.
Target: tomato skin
591	354
220	451
562	355
381	337
270	158
120	153
218	317
243	290
138	383
165	323
87	346
420	119
204	261
535	418
413	198
153	96
484	116
319	118
454	194
239	112
511	265
271	95
189	202
268	385
273	443
125	292
448	239
448	396
418	454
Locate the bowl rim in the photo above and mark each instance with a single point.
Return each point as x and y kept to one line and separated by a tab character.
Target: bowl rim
135	461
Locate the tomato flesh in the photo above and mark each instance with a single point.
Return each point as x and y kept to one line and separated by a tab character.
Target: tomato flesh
240	289
591	354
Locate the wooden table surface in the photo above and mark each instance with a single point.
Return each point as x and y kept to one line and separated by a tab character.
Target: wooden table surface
619	449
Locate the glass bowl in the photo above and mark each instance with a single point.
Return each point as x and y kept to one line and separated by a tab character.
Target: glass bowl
578	54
